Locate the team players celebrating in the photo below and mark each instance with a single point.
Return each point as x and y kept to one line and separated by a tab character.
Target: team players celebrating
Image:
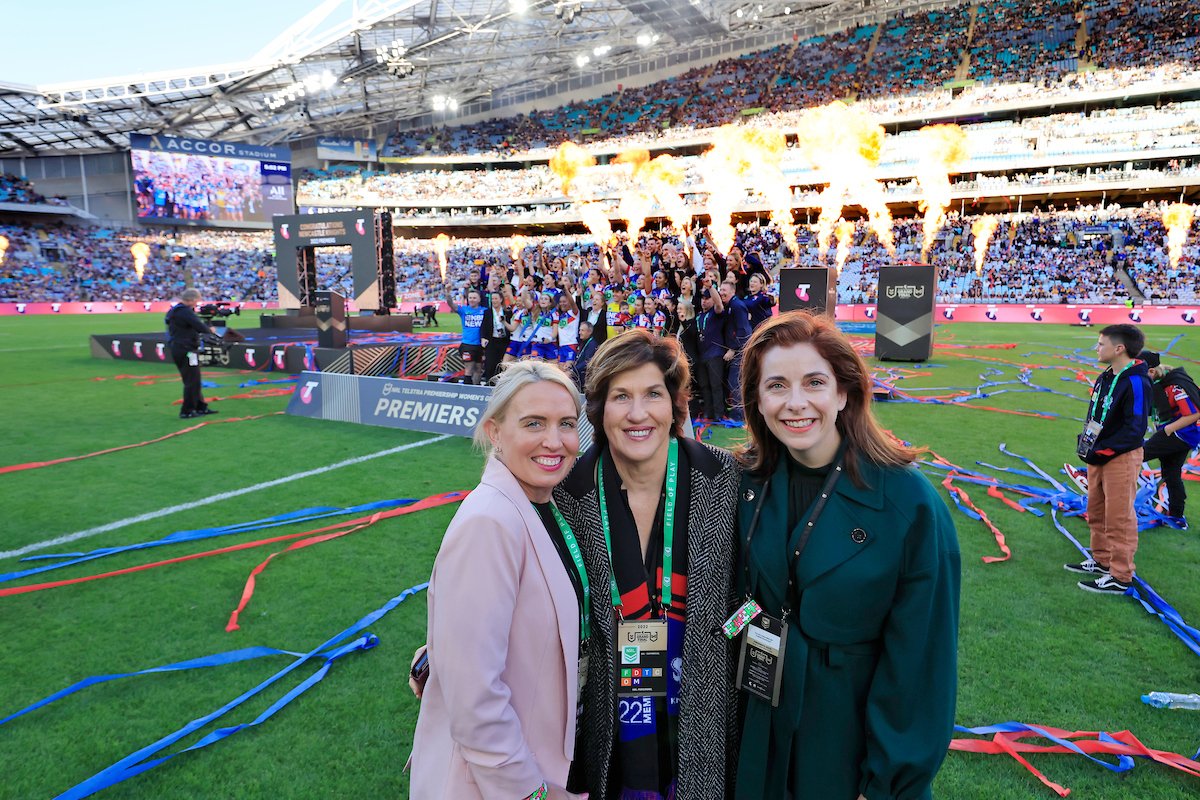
199	188
559	309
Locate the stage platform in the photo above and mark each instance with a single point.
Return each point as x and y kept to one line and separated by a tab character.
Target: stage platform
293	350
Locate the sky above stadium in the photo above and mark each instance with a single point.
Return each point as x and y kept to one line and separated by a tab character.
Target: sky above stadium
74	40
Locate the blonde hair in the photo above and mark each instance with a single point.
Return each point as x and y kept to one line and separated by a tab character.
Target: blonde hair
514	377
689	310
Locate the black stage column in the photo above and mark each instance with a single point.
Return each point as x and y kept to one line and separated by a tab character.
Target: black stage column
808	288
330	309
904	315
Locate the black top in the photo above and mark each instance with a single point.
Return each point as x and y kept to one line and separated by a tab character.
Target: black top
560	544
804	486
575	781
184	327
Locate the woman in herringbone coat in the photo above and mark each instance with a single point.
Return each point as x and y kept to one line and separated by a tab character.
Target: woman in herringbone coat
654	511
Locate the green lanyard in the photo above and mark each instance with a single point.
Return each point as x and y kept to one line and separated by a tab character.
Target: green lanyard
585	624
1105	407
668	525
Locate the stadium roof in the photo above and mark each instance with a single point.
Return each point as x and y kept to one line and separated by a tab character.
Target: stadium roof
362	67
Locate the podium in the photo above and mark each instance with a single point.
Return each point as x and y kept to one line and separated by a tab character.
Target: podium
330	311
904	313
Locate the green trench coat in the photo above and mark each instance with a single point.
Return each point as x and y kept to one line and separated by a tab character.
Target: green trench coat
870	666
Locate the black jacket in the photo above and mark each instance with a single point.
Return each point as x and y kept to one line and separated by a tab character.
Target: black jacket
184	327
708	724
488	329
1176	396
1125	424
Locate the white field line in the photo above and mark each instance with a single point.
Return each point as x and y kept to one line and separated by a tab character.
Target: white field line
216	498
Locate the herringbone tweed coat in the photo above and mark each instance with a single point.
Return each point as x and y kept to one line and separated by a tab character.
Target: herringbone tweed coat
708	725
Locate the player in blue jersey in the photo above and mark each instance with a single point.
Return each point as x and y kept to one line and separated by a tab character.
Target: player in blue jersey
471	349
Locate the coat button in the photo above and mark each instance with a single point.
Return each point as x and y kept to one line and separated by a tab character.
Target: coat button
748	495
858	536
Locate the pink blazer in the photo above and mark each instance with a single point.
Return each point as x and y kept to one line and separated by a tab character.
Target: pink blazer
498	713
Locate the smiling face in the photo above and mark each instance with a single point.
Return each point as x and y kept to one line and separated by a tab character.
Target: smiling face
538	438
638	414
799	400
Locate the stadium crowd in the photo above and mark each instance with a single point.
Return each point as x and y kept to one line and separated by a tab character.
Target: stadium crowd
993	145
1038	256
1012	50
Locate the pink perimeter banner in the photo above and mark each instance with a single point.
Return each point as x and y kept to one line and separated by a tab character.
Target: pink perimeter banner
127	306
130	306
1050	313
970	312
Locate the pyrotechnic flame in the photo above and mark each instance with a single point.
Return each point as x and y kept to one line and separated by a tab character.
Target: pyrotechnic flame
659	179
943	150
982	229
740	156
662	178
3	248
567	163
141	254
845	237
441	244
843	145
596	219
1178	220
517	246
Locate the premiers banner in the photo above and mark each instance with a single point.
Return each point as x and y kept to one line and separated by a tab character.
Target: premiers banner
331	148
808	288
904	316
398	403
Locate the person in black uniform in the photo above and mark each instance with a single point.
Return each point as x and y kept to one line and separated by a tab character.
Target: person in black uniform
183	336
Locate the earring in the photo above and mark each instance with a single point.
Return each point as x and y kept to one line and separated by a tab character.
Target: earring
497	450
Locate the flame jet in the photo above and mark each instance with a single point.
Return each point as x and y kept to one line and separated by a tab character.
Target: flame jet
943	150
982	229
843	145
1177	219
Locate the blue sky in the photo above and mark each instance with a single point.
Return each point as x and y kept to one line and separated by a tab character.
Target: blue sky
73	40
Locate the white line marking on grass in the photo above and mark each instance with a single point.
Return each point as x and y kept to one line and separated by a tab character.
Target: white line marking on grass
216	498
45	347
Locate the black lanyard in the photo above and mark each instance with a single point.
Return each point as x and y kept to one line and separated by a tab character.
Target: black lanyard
818	507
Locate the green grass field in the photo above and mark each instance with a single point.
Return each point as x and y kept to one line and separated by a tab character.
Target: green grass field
1033	647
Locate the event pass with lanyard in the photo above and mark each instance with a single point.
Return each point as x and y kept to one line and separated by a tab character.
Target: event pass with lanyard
641	645
760	663
585	623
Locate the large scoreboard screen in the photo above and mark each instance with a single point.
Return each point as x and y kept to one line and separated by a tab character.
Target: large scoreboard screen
180	181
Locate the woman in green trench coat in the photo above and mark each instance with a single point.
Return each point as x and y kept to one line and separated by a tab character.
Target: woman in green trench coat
868	591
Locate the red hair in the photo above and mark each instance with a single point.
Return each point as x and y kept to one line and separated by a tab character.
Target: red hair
860	431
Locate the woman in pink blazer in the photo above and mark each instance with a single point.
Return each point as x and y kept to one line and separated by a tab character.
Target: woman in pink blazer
498	714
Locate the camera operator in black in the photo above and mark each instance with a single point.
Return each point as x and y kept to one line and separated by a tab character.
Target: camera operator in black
184	329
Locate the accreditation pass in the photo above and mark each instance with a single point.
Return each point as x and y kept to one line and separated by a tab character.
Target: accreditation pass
761	661
642	658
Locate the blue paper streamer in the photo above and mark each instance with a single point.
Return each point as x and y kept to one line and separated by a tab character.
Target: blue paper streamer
137	763
290	518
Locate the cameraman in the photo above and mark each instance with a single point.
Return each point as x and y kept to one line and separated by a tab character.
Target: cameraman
184	329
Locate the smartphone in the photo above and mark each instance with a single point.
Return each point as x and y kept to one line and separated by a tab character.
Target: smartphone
420	670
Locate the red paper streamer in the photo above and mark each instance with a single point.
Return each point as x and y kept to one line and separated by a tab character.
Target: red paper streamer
40	464
429	502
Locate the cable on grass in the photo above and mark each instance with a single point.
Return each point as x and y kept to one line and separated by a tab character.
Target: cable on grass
198	426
